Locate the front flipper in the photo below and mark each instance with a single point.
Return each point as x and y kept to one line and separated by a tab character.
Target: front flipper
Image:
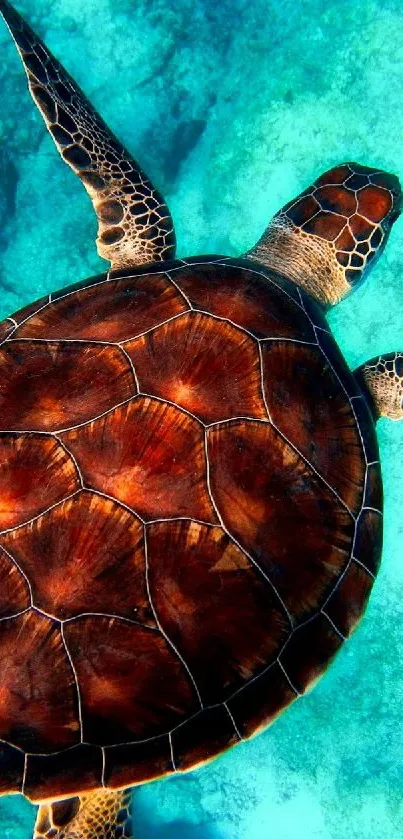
135	225
381	381
104	814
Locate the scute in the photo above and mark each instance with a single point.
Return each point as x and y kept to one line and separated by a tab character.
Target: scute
146	453
225	641
108	312
320	422
63	774
190	518
280	512
246	299
309	650
15	594
57	397
141	762
36	472
87	567
38	696
191	360
261	701
133	685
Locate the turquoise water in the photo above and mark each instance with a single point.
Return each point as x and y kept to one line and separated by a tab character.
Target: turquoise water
233	108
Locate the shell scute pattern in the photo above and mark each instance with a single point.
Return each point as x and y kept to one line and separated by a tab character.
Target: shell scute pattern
36	473
191	361
247	301
142	761
67	383
86	569
78	769
15	596
272	502
132	685
148	455
190	565
37	713
22	315
109	313
166	408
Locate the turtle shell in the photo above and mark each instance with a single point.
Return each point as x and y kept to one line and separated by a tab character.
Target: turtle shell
190	519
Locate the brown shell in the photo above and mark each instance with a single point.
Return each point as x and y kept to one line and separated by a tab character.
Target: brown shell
190	520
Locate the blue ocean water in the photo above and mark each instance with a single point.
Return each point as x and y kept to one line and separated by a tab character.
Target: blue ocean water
233	108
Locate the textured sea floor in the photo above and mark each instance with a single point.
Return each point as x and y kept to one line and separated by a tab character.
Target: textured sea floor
233	108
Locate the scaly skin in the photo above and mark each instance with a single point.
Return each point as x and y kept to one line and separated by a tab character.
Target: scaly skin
382	379
104	814
134	222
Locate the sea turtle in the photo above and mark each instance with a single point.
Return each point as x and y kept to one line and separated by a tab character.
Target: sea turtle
190	487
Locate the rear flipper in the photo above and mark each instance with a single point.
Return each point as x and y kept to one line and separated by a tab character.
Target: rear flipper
381	380
104	814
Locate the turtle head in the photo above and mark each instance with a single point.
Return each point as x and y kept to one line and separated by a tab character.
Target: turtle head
327	238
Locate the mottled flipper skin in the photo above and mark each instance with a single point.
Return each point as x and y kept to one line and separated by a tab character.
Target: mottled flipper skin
382	379
98	815
135	225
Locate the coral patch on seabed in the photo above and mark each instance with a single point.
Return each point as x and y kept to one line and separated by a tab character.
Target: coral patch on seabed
232	108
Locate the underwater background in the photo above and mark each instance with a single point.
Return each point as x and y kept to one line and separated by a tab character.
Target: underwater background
233	107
